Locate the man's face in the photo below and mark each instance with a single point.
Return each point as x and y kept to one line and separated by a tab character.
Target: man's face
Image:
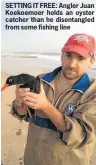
75	65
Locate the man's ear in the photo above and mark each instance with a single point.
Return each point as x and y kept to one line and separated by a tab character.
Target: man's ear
92	60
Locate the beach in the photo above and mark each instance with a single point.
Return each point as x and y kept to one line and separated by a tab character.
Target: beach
14	132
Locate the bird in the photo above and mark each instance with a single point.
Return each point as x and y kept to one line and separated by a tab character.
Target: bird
25	81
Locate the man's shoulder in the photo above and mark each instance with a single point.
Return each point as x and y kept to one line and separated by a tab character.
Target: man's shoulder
42	74
90	93
92	81
92	86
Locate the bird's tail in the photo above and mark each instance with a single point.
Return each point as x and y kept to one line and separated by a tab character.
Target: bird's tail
37	90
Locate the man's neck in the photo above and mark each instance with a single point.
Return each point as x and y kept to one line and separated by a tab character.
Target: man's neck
67	81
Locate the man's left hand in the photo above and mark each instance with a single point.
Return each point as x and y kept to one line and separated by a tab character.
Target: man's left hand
36	101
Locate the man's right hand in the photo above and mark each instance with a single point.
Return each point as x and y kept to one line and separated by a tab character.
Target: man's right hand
20	94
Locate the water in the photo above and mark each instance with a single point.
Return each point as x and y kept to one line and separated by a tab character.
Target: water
39	62
35	65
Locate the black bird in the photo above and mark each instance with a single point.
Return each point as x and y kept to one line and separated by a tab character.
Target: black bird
27	81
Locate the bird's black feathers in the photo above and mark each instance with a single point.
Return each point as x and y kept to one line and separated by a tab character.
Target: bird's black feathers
20	79
26	81
34	85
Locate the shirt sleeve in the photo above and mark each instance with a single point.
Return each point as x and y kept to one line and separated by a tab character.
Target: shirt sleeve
25	117
81	125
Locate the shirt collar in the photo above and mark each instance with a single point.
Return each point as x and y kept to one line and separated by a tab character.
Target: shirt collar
81	85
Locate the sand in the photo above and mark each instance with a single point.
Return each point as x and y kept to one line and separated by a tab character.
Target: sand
13	144
14	132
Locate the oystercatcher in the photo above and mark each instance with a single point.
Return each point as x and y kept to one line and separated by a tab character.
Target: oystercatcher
25	81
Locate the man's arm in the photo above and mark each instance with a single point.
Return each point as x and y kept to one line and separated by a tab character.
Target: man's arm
22	113
18	111
78	129
55	116
20	108
82	125
40	102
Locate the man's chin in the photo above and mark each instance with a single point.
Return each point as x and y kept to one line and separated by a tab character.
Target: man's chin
71	76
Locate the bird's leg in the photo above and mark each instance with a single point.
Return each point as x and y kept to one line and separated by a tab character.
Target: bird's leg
27	110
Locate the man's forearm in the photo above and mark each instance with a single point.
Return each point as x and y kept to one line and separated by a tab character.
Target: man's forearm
55	116
21	109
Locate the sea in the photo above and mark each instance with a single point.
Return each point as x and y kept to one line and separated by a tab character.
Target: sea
21	62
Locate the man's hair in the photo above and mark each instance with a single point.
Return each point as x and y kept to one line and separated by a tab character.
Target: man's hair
92	55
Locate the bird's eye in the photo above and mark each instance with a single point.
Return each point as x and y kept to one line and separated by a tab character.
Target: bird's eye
10	80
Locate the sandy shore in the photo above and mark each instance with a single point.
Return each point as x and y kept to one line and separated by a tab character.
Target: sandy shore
12	144
14	132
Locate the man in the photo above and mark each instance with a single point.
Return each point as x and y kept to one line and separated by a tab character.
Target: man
62	130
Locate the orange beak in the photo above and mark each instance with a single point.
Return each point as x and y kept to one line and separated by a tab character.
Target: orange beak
4	87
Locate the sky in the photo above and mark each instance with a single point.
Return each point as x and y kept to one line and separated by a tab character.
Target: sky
42	41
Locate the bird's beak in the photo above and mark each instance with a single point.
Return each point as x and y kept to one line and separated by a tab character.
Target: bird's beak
4	87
